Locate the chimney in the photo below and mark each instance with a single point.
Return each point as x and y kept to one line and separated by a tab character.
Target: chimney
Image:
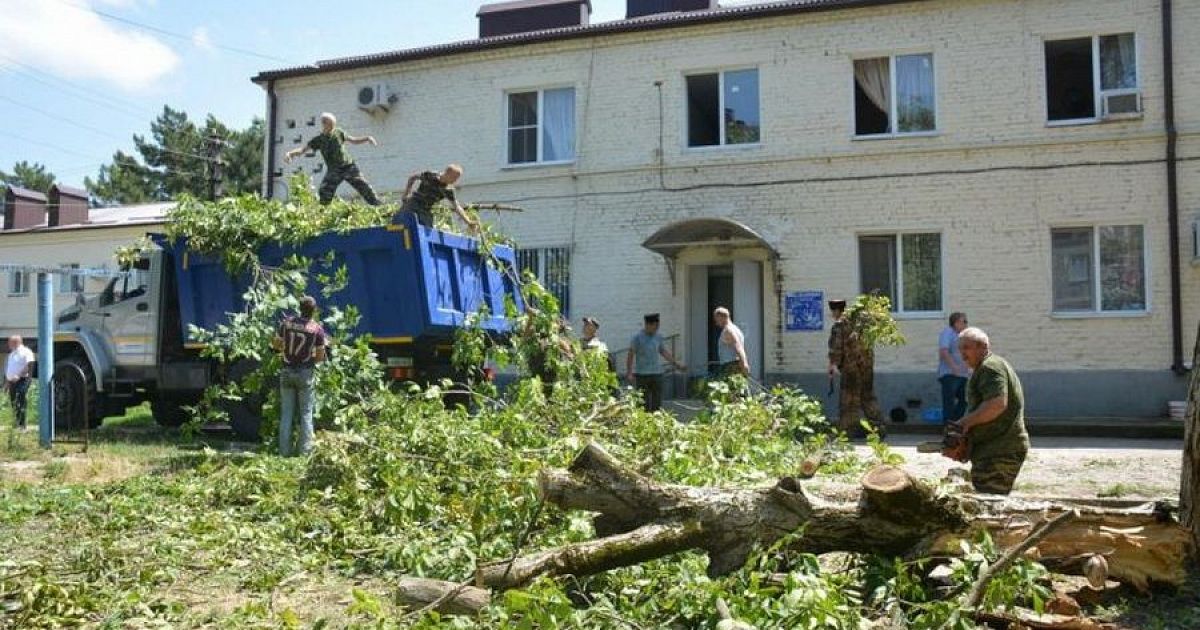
638	8
67	206
526	16
23	208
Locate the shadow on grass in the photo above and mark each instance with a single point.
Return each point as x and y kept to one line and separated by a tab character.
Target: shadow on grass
1162	609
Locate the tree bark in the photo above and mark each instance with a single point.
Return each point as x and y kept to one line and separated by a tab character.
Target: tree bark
895	515
1189	487
451	598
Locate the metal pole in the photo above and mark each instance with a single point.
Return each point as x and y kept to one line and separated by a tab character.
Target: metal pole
45	359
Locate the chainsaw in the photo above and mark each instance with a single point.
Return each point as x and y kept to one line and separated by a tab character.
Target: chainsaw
952	445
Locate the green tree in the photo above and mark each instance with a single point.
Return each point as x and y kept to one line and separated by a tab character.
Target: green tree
29	176
177	158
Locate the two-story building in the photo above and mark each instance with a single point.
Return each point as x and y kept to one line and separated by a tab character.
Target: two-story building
1033	163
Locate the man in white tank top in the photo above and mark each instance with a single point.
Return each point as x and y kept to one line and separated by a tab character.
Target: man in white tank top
731	350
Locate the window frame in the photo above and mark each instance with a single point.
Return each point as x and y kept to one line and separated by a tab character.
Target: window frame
23	289
893	119
540	271
1097	90
723	145
68	282
898	310
1097	287
506	111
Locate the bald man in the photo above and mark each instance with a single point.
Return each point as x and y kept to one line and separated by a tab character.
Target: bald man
17	371
339	164
995	420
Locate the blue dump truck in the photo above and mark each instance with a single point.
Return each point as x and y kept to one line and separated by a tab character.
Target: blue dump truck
413	287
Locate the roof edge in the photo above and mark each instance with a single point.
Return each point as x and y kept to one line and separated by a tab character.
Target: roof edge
645	23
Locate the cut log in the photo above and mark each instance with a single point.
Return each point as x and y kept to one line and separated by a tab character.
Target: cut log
896	515
451	598
1189	482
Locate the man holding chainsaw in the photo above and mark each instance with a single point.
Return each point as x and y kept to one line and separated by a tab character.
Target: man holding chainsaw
992	435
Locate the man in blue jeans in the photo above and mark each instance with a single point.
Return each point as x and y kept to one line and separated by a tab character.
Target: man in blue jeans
952	370
301	344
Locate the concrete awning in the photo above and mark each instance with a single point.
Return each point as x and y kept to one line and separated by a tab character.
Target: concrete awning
676	237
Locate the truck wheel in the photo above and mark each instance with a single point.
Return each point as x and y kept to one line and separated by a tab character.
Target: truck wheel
75	390
169	411
245	418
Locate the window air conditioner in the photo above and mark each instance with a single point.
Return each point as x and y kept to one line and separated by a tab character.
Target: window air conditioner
375	97
1121	103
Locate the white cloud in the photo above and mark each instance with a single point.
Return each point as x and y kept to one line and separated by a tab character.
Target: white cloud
201	40
73	42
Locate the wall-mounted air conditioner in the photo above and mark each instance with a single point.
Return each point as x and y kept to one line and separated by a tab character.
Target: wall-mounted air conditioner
1121	103
375	97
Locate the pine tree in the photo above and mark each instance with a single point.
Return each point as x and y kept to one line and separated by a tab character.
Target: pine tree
28	176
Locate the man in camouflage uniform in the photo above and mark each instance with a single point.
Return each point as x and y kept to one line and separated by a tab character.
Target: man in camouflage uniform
995	423
339	165
432	188
850	357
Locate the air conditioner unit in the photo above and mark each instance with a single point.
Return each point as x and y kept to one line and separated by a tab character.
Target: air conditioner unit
375	97
1121	103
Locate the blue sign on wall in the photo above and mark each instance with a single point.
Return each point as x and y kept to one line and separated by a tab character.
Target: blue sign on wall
805	311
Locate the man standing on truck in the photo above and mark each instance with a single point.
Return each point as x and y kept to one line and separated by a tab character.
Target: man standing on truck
339	165
642	367
17	372
301	344
431	188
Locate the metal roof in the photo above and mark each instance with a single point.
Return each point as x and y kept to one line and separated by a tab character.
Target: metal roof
117	216
676	237
25	193
645	23
70	191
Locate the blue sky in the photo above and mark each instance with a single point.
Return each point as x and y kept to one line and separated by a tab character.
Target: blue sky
76	85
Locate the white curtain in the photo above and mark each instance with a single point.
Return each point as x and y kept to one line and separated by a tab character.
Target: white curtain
558	125
872	76
914	93
1118	62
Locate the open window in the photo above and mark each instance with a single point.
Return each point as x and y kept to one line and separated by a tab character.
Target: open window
894	95
1091	78
723	108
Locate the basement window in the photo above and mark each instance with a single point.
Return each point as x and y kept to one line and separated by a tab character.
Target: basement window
723	108
1116	284
541	126
907	268
552	268
894	95
1090	78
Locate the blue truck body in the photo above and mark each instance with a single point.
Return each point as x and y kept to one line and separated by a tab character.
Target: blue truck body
411	284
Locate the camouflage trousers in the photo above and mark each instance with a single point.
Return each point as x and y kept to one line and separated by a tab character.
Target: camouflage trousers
997	474
856	400
348	173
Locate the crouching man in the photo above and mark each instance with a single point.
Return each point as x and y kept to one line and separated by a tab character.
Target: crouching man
995	423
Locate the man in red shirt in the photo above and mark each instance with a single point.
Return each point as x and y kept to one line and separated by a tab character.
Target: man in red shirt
300	342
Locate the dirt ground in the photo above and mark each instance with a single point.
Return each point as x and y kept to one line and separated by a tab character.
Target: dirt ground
1073	467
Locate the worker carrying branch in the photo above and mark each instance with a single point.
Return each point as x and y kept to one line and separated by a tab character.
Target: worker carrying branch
431	188
339	164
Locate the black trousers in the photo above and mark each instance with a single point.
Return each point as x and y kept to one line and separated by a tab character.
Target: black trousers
346	173
18	393
651	386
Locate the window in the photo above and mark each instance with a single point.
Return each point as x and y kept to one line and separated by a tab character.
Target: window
70	284
18	283
541	126
552	267
894	95
1116	284
723	108
905	267
1076	67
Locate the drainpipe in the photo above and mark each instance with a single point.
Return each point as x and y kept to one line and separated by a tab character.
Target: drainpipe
1172	189
272	121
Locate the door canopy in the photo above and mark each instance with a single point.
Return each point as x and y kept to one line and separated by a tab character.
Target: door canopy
676	237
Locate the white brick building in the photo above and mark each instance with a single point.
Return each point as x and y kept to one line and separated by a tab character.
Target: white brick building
998	187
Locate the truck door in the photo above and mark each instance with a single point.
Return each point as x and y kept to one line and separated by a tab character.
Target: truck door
131	307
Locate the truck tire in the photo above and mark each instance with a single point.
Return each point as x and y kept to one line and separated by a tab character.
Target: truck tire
75	390
169	411
245	418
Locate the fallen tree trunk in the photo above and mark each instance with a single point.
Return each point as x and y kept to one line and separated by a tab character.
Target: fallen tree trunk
896	515
447	598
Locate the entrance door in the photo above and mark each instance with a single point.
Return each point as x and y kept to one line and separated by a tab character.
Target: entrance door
720	293
736	286
747	310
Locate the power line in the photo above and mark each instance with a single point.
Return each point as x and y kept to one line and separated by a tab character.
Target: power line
161	31
83	93
48	145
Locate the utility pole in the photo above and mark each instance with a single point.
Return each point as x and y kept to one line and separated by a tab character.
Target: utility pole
213	145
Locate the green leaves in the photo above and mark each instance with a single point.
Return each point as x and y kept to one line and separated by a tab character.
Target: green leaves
871	317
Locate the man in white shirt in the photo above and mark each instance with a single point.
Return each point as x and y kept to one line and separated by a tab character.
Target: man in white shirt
17	372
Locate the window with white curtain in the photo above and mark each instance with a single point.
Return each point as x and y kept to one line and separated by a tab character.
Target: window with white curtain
722	108
552	268
541	126
894	95
907	268
1083	70
1099	269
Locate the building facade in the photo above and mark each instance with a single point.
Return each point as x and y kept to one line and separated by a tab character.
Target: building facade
1006	158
